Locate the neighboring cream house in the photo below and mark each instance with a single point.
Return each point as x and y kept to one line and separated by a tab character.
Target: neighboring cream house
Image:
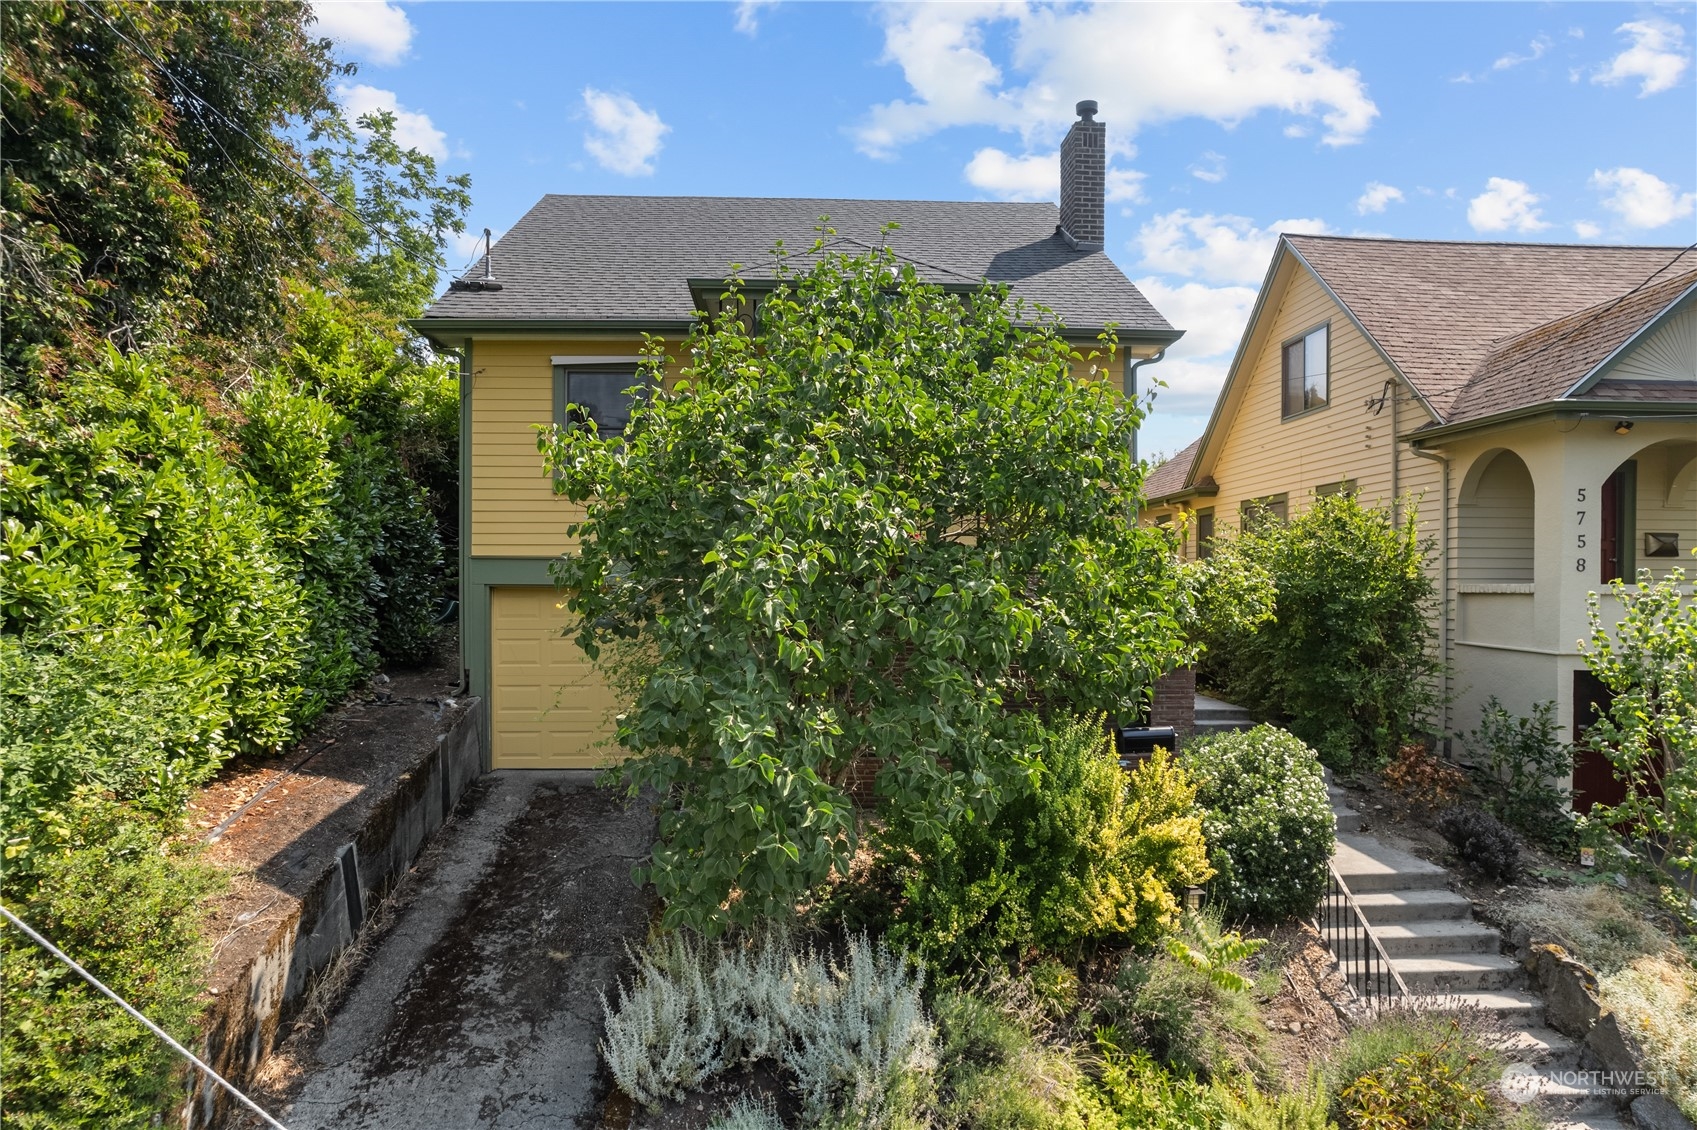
1536	404
559	314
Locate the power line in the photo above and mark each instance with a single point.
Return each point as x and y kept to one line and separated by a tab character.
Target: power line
263	147
150	1025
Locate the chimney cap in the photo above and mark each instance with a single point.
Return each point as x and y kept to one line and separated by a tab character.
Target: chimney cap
1087	109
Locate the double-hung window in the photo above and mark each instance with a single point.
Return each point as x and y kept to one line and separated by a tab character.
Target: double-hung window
601	396
1306	364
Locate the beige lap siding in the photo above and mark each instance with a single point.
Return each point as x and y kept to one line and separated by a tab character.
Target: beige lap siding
550	708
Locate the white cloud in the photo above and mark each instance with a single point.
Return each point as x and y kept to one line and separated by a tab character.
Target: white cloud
1221	248
1505	205
1221	62
373	29
1585	229
1212	318
1641	199
413	128
748	14
1657	56
1211	168
1036	176
1534	52
623	137
1376	197
1124	186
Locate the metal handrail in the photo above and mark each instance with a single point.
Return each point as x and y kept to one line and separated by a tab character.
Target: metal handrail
1350	939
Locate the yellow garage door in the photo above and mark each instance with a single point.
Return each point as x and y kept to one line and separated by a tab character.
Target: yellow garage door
549	708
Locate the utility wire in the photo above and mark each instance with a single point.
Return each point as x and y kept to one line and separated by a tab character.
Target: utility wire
150	1025
264	147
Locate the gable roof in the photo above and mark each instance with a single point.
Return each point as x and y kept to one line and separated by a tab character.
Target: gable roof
1439	310
626	261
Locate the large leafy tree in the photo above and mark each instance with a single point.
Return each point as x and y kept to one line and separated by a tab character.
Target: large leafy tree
889	524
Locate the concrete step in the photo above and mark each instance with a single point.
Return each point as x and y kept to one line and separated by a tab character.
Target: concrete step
1337	794
1589	1122
1349	820
1429	905
1457	973
1445	936
1536	1044
1512	1006
1208	726
1367	865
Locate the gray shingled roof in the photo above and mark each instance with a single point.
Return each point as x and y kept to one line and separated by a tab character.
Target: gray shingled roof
627	259
1169	478
1440	310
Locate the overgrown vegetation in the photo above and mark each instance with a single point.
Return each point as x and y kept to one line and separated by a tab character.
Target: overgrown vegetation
889	524
1522	767
1405	1068
1267	820
1648	662
1086	856
1346	662
1481	841
224	472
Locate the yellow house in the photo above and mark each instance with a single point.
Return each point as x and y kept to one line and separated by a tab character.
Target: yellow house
1537	404
557	314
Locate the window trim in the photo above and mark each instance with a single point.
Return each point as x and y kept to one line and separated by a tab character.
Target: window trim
1205	543
1265	503
1337	487
1286	344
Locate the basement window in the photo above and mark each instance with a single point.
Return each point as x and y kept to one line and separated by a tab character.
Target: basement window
1307	362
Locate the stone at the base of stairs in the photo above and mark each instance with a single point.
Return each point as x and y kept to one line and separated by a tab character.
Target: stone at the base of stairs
1366	865
1657	1112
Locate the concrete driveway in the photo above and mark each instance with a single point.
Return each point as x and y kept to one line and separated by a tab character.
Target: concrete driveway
479	1005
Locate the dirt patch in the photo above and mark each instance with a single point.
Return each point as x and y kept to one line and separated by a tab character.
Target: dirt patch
1303	1015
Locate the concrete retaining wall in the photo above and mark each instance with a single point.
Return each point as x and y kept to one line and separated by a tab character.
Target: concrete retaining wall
247	1019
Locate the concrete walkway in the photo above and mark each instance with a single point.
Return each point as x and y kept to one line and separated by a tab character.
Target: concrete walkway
479	1007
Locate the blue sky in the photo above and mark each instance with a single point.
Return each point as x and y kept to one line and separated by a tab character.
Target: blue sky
1227	123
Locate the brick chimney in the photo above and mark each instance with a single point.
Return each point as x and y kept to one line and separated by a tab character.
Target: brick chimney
1084	184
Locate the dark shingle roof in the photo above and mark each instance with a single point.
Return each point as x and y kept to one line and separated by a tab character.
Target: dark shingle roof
1440	310
627	259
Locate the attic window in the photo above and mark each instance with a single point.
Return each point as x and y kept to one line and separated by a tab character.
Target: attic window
1306	362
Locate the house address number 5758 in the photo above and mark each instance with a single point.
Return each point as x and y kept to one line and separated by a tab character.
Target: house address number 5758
1579	562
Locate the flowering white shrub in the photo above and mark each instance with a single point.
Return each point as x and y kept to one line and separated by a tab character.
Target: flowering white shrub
854	1034
1266	818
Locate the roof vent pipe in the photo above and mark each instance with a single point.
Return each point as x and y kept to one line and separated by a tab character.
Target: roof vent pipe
488	256
1084	183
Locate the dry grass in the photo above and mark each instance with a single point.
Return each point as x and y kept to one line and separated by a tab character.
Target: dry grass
1595	924
1643	977
1655	998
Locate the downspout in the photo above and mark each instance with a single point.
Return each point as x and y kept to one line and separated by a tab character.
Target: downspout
1444	581
1131	367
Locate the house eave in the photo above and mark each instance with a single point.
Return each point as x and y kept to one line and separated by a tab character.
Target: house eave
1630	410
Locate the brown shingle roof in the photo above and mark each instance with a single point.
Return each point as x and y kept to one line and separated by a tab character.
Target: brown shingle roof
1440	310
1168	478
1543	363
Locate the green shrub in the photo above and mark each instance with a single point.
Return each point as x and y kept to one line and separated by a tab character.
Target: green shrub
993	1073
1267	820
131	713
1247	1107
1395	1049
1142	1095
121	510
1347	658
1522	766
1481	841
1197	1017
127	907
1086	856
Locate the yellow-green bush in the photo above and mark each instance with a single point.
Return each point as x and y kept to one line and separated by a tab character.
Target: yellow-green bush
1086	856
